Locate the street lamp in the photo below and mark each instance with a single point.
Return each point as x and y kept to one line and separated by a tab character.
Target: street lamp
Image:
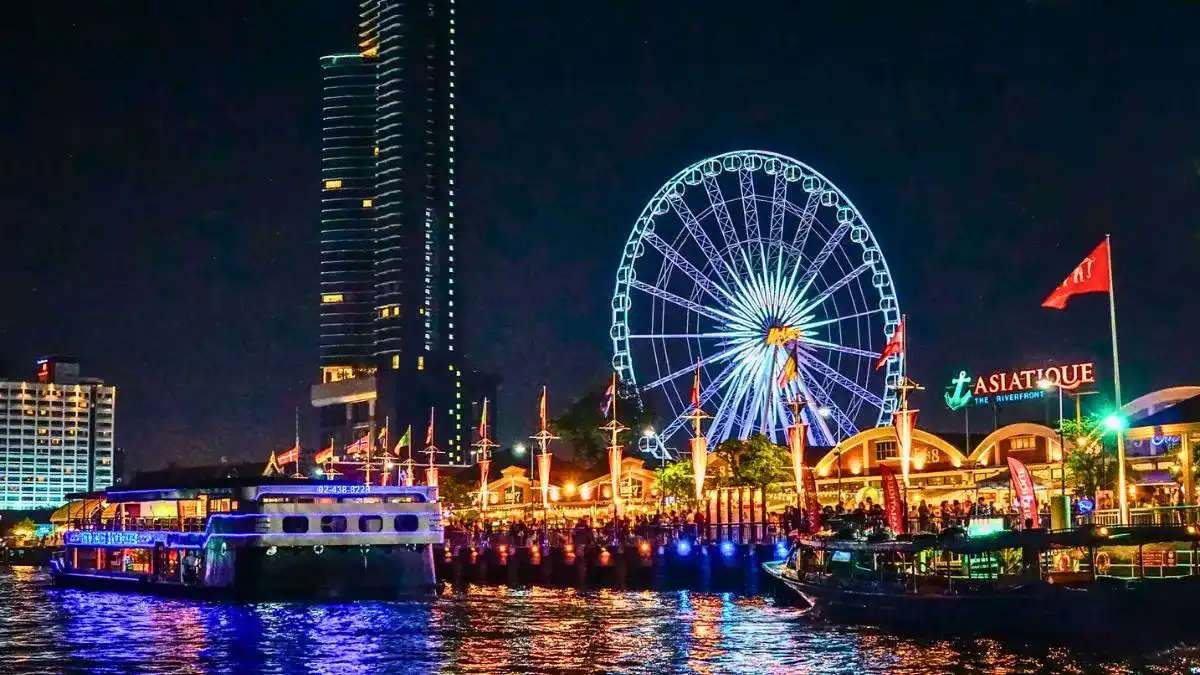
1046	385
826	412
519	450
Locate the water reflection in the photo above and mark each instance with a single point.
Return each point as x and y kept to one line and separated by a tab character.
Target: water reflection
489	629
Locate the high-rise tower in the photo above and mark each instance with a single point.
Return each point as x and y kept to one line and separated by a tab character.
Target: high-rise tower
407	360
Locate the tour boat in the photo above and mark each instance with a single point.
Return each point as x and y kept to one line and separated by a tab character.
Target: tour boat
1084	582
254	538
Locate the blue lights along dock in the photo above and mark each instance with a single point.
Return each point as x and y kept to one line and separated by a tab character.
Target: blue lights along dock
680	564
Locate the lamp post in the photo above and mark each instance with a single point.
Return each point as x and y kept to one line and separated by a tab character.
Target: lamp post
1046	385
826	412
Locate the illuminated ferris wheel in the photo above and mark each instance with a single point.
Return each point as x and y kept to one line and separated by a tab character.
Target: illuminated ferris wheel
761	270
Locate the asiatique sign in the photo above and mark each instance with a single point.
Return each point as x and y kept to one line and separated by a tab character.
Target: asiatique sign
1007	386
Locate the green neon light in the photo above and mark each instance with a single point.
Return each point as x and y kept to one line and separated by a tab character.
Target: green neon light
962	392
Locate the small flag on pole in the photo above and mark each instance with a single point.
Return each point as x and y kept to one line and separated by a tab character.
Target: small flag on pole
895	346
791	369
429	430
542	408
696	387
405	440
325	455
483	420
609	395
1089	276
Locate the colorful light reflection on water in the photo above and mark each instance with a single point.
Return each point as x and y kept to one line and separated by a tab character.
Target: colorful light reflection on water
488	629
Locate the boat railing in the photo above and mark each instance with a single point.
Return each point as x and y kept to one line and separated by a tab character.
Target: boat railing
142	524
1153	515
655	535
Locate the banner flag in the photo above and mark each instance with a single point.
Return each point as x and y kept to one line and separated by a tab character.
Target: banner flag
905	421
811	504
797	437
544	476
1022	482
699	463
893	503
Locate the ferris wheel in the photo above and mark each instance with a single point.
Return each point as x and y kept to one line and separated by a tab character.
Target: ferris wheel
759	269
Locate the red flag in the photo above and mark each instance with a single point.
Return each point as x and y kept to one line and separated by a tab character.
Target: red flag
290	457
696	387
429	431
895	346
791	369
542	408
893	505
1023	485
1090	276
325	455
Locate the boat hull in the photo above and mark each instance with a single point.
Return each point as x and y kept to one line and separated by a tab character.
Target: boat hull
377	572
1103	607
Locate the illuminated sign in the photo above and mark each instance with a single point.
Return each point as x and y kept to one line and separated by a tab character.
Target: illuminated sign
107	538
1008	386
982	527
781	336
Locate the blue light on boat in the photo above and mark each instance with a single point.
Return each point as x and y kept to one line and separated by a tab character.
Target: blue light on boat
684	547
780	550
727	548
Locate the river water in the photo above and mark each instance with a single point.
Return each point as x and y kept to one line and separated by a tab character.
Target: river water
492	629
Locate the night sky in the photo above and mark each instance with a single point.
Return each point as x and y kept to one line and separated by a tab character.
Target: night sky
159	195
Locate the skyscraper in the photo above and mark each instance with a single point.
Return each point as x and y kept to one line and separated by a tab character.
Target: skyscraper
389	204
56	436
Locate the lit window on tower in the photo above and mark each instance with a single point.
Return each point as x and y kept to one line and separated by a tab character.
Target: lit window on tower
330	298
333	184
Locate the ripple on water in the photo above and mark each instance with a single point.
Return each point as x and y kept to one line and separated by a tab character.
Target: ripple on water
489	629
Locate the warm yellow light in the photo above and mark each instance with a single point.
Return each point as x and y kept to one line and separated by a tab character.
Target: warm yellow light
333	184
956	462
503	549
644	547
569	488
420	363
585	492
1191	529
330	298
824	471
1104	532
395	362
855	467
1081	441
368	203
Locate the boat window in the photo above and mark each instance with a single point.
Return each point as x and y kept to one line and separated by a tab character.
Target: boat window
407	523
333	524
295	524
370	523
407	499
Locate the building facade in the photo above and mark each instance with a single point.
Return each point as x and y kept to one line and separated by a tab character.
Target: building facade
388	335
56	436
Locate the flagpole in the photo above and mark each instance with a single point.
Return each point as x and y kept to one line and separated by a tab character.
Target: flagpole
1112	320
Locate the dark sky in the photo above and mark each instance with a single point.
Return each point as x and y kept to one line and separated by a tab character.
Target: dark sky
159	213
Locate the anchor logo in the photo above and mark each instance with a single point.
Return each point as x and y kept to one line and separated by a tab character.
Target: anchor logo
962	393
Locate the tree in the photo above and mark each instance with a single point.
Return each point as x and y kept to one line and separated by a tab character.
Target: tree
755	462
676	480
23	529
1093	469
455	492
579	426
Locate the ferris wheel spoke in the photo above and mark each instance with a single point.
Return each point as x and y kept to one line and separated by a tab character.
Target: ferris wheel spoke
714	314
817	392
778	204
713	358
848	384
800	238
836	286
706	395
827	250
711	287
750	207
839	348
720	210
698	234
689	336
826	322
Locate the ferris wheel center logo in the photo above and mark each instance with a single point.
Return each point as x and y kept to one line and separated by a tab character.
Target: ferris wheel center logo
782	336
